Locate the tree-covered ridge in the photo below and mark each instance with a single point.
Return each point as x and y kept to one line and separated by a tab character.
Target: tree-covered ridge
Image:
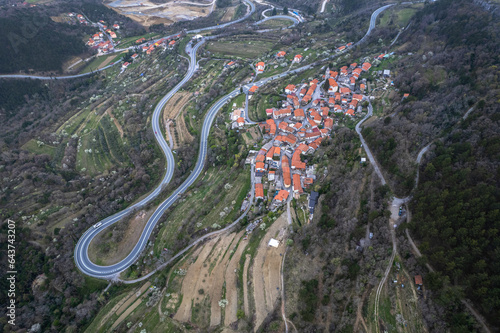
456	210
33	41
448	64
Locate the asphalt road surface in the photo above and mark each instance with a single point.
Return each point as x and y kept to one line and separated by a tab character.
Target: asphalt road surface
111	272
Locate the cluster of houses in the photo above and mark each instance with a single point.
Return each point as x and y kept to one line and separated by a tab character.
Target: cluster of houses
296	130
126	64
343	47
166	42
261	66
80	18
99	42
281	55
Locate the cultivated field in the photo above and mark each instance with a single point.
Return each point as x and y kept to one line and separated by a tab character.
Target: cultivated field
244	49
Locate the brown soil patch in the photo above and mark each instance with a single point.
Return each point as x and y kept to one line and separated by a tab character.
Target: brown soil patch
105	62
172	302
220	257
231	278
175	105
115	308
148	13
266	272
193	282
208	273
254	134
182	132
228	15
173	111
117	124
122	248
125	314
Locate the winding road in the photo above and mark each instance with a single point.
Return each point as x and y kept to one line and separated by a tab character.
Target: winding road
111	272
250	11
285	17
82	260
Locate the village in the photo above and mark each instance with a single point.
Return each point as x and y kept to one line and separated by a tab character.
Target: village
296	130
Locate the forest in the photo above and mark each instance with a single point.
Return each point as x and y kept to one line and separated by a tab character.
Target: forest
450	67
34	42
456	210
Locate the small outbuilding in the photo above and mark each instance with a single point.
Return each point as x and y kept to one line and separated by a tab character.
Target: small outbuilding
274	242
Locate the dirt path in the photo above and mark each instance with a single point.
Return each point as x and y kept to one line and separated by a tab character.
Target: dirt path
267	272
359	314
245	286
115	308
138	299
117	124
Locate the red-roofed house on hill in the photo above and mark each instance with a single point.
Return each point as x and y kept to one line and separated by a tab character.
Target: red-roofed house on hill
253	89
333	86
297	187
259	191
297	58
357	97
280	54
366	66
281	196
261	66
290	89
299	114
418	280
241	121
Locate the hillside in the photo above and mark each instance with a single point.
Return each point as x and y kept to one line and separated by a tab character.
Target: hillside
452	81
41	46
285	221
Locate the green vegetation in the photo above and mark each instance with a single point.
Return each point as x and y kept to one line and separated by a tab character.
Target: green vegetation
38	148
23	51
398	17
456	215
248	49
97	62
130	41
214	199
275	23
309	299
13	92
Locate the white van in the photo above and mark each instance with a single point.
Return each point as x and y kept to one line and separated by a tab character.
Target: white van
97	225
